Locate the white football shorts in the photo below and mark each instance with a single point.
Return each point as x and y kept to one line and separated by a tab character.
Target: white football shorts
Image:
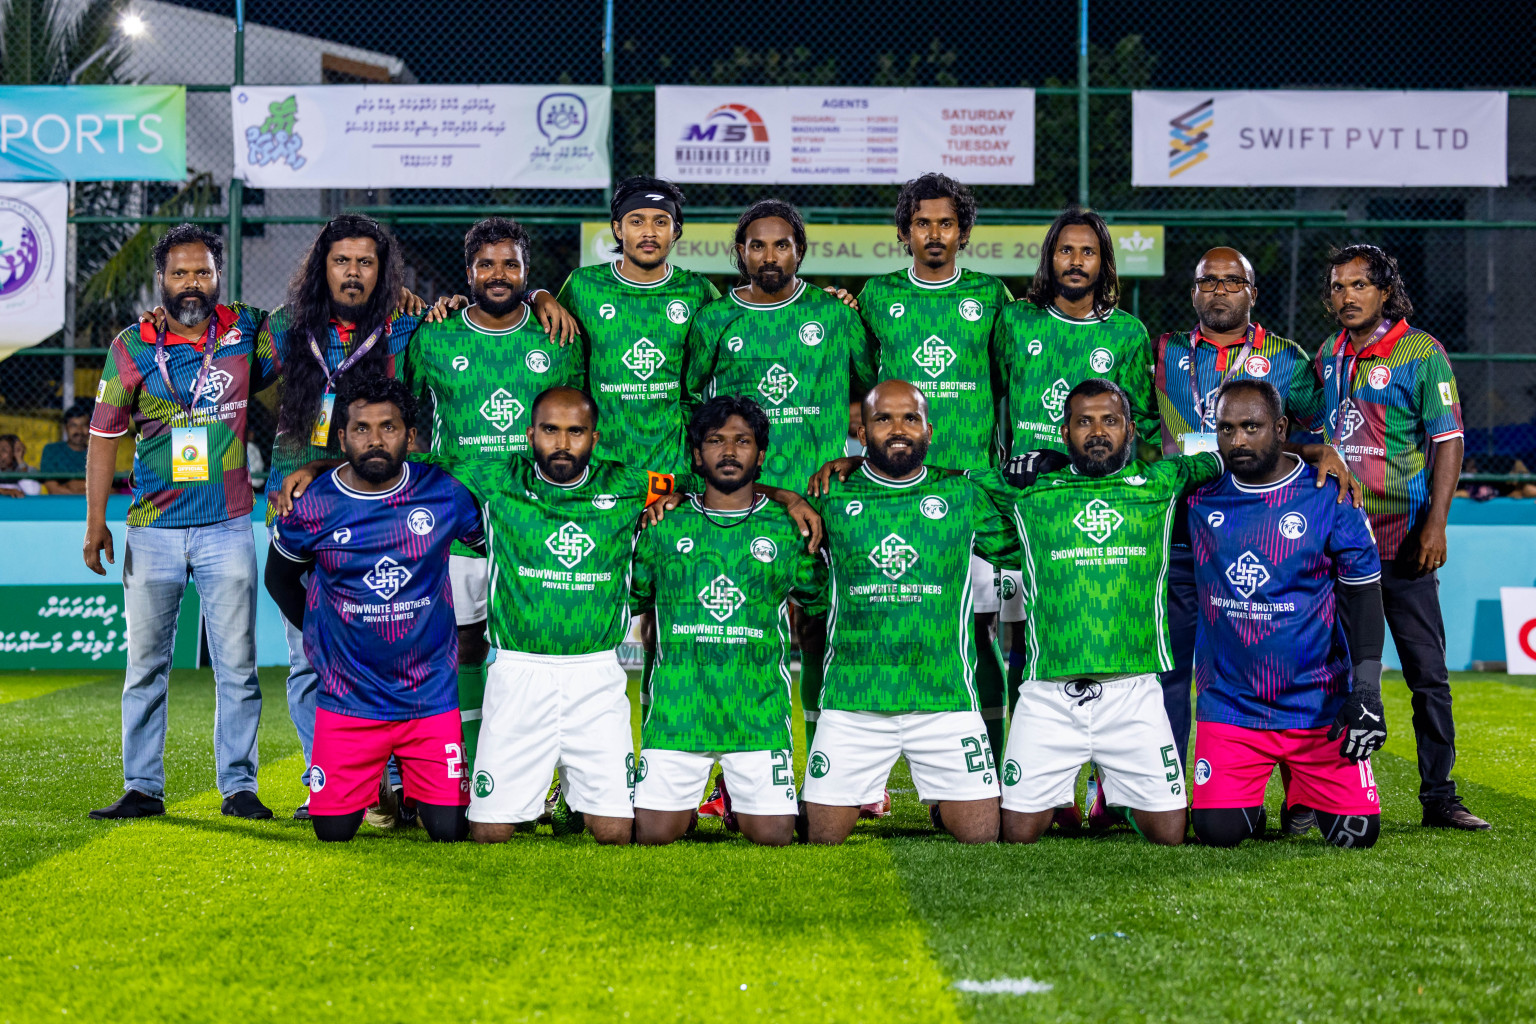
854	751
469	578
1012	596
759	781
984	597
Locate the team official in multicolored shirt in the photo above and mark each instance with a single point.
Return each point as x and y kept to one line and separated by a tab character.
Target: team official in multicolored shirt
1393	411
183	391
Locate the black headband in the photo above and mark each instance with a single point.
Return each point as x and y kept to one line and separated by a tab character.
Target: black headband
646	201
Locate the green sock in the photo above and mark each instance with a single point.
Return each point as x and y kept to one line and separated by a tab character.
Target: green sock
989	691
471	698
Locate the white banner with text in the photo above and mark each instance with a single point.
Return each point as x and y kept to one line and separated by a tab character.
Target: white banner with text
34	223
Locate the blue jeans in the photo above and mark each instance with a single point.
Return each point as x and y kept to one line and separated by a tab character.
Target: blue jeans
157	562
303	685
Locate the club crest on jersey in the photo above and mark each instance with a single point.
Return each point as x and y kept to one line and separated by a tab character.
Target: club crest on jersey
777	384
387	577
970	309
1293	525
1202	772
461	363
501	410
1216	518
1354	419
1100	360
764	550
604	501
933	356
811	333
537	361
734	344
1136	481
1380	377
644	358
570	544
342	536
1055	399
893	556
421	521
853	508
607	311
684	545
721	597
677	311
1034	348
898	310
1257	366
316	778
1098	520
1247	574
934	507
214	387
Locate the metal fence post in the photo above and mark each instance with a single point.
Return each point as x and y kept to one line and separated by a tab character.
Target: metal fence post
71	293
608	81
236	192
1082	103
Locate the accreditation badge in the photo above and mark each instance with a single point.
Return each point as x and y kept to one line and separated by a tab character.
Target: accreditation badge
1196	442
321	436
189	455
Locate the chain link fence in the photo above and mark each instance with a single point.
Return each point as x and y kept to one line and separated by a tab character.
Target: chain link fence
1465	253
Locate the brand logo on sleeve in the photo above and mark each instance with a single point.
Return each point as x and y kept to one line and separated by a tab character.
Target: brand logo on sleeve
893	556
1055	399
970	309
677	311
1247	574
1098	520
644	358
387	577
569	544
501	409
421	521
721	597
933	356
811	333
777	384
1445	394
1100	360
764	550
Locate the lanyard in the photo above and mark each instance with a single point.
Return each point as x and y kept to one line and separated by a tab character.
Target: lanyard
209	345
1346	391
1254	336
350	361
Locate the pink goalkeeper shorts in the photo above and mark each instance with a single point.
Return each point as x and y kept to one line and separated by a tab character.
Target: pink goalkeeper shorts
349	756
1233	764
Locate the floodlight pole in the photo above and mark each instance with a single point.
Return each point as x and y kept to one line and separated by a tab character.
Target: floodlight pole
236	193
1082	102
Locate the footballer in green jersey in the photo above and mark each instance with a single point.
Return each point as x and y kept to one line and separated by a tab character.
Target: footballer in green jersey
634	314
720	571
901	656
1095	549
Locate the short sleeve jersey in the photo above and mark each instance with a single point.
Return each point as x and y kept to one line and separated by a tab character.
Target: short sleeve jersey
560	553
132	396
1042	354
900	630
633	348
1270	358
1095	565
1402	401
721	583
1271	653
285	344
796	359
938	336
378	618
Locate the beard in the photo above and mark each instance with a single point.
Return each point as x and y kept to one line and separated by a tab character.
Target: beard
1223	321
899	463
770	279
497	307
1074	292
188	308
377	465
561	467
728	485
1100	459
351	302
1260	465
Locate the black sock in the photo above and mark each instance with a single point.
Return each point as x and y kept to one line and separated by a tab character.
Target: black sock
336	828
1355	831
1228	826
445	823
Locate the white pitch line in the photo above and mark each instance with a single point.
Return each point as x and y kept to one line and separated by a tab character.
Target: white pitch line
1003	986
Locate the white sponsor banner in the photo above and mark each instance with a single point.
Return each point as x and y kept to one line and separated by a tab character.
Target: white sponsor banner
1317	137
1519	608
34	220
436	136
842	134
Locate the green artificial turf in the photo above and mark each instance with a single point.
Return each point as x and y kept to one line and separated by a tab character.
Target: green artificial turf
198	917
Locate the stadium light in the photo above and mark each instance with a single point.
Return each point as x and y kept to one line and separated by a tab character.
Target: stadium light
132	25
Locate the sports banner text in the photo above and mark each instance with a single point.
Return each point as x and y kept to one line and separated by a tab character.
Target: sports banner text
93	133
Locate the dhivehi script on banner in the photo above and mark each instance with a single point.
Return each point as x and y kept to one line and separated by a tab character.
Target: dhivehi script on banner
33	222
839	134
432	136
1319	137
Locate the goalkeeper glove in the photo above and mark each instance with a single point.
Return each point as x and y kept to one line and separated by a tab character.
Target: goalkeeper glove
1362	721
1021	470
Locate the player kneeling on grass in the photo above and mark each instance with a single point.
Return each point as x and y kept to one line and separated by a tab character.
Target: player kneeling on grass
719	571
378	618
1290	600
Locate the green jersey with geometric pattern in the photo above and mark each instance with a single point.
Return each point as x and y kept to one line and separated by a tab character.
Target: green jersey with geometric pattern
560	553
938	336
1042	354
1095	564
900	631
633	338
720	583
796	359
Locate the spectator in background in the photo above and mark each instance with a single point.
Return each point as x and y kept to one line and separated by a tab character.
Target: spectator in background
13	454
68	455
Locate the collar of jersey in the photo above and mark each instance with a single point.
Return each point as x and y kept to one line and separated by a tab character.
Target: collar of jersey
885	481
352	492
799	290
586	474
1064	318
614	266
931	285
1289	478
727	513
464	313
1380	349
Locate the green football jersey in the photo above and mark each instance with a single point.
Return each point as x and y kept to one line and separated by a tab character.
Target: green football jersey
560	553
938	335
1042	354
720	583
796	359
633	338
1095	561
900	633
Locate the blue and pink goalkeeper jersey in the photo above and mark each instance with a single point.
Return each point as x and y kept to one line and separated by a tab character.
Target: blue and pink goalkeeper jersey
378	619
1271	653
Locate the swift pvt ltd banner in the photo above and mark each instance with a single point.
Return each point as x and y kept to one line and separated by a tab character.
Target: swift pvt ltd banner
1317	137
433	136
848	135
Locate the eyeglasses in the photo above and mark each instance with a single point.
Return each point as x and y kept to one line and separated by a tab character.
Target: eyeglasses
1226	284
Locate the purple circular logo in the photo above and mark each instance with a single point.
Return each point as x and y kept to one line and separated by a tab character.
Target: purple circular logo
26	246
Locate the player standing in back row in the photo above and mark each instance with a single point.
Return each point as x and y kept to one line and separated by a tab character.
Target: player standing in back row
933	324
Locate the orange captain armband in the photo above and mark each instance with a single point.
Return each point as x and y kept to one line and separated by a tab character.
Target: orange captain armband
660	486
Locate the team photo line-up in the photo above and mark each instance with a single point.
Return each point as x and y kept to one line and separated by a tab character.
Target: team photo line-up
472	503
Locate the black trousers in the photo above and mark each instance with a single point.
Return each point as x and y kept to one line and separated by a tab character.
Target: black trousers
1183	612
1413	615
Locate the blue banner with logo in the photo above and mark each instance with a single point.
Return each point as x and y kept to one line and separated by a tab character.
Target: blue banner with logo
93	132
